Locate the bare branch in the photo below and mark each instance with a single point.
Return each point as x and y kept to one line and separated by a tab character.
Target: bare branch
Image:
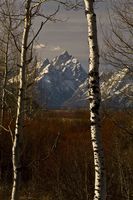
48	18
49	153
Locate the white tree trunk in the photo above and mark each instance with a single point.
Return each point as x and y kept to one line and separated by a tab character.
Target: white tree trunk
4	83
18	138
95	99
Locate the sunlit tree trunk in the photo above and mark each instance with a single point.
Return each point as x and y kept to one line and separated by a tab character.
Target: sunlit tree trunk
18	138
95	99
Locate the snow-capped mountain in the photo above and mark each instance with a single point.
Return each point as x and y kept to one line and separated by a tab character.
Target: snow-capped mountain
116	92
58	80
80	98
63	82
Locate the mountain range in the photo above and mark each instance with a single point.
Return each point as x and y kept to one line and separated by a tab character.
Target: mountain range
58	80
63	82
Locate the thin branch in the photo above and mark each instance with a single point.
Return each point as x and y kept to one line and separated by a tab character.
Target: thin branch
50	152
42	24
14	38
11	133
4	128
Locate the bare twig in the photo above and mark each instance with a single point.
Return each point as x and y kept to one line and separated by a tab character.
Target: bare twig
49	153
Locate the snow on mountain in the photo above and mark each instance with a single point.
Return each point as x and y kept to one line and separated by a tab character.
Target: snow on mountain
58	80
63	82
116	92
80	98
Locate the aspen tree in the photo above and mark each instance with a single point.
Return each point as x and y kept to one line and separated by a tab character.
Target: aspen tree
32	9
95	99
18	138
7	58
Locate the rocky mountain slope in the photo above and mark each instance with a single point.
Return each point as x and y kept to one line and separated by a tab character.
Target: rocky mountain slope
58	80
63	82
116	92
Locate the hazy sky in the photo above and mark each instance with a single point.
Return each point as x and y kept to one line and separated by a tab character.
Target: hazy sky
70	35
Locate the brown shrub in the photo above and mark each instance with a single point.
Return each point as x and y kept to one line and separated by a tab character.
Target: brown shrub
66	171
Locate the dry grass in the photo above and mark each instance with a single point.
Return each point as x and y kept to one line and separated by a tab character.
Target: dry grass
61	173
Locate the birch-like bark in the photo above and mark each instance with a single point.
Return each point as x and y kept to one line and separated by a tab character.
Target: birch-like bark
4	82
18	138
95	99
